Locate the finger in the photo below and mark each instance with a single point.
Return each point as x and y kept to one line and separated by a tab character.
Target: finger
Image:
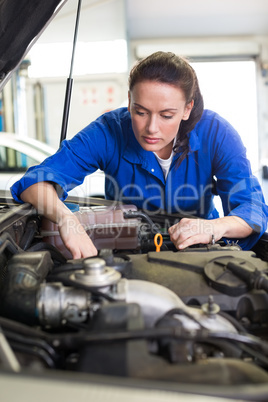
90	252
183	230
192	240
78	252
173	229
174	233
176	230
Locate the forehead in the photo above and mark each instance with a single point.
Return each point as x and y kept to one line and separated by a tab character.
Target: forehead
157	92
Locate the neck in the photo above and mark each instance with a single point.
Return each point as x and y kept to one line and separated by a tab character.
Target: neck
165	152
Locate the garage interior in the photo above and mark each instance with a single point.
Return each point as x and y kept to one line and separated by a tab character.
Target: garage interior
227	44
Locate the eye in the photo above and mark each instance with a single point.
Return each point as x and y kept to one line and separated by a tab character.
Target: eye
167	117
139	113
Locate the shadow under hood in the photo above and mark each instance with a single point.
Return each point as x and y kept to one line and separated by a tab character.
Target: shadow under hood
21	23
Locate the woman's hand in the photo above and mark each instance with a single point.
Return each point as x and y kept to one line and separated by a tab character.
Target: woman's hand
192	231
75	237
44	198
201	231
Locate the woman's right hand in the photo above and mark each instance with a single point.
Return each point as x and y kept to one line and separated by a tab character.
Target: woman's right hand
75	237
44	198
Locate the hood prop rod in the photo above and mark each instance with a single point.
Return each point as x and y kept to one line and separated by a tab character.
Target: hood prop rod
68	92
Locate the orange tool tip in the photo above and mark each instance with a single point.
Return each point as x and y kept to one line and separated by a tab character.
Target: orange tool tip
158	241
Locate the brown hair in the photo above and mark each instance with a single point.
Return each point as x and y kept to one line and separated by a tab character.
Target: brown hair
166	67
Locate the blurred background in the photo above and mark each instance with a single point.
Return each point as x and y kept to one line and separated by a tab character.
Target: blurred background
226	41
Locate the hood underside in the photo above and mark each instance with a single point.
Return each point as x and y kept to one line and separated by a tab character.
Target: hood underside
21	23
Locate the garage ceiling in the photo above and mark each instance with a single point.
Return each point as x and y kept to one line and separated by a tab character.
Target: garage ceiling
187	18
139	19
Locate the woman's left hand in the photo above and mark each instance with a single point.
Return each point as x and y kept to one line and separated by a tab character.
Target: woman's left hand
192	231
201	231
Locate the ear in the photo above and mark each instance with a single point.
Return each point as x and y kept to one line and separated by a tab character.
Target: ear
187	110
129	100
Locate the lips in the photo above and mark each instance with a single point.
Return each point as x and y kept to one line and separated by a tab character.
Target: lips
151	141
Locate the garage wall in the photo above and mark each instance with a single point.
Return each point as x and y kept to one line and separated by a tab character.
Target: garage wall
91	96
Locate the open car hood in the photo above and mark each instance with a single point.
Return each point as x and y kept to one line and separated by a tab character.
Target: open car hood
21	23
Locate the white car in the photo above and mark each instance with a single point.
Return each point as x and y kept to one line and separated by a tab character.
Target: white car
18	153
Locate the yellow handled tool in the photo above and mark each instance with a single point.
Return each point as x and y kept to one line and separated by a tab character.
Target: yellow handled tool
158	241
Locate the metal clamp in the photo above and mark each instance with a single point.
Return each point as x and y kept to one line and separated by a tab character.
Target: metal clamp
212	240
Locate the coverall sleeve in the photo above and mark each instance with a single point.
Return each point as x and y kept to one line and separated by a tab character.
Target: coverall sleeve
88	151
239	189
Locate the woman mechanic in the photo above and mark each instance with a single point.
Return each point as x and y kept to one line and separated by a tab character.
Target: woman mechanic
163	152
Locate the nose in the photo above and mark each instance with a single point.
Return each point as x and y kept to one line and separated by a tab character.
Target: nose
152	125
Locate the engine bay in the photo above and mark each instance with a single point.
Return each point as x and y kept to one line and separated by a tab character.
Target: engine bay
197	316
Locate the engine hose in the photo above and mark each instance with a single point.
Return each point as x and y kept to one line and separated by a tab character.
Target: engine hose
242	338
20	306
25	272
180	333
30	341
234	322
180	311
56	255
139	214
41	354
29	233
258	356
